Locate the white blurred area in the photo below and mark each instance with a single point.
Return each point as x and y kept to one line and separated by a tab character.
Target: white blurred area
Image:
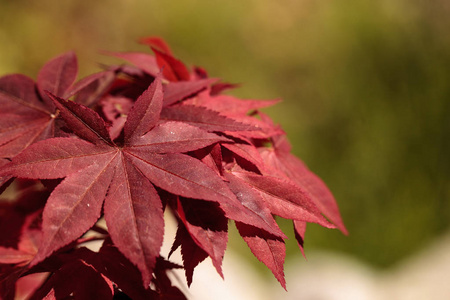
324	276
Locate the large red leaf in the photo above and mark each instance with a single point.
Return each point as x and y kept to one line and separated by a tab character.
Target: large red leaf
284	199
73	207
28	115
134	216
286	165
173	137
320	193
56	158
258	214
131	194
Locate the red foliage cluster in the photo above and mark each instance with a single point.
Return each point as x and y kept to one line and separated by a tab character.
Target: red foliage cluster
132	142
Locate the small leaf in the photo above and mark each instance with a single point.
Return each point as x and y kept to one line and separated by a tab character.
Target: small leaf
83	121
145	113
299	230
86	283
91	88
57	75
172	68
204	118
173	137
257	213
144	61
18	96
177	91
284	198
207	226
191	253
268	249
156	42
55	158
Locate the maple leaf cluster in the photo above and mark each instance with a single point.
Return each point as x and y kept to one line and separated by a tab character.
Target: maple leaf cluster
125	145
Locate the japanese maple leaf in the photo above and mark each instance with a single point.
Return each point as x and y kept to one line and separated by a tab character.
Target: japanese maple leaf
122	176
27	114
280	161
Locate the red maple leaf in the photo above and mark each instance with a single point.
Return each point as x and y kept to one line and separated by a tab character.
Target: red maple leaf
123	176
28	115
133	142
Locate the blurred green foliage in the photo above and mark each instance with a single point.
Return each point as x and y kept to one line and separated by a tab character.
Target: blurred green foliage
365	86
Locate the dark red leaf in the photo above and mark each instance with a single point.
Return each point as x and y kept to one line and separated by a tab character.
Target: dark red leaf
177	91
207	226
113	264
83	121
204	118
284	199
24	118
133	213
145	113
150	140
247	152
89	89
56	158
219	87
173	137
257	213
18	96
57	76
73	207
268	249
191	253
288	166
144	61
18	132
86	283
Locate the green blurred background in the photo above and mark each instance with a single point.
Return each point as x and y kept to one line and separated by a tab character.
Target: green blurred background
365	84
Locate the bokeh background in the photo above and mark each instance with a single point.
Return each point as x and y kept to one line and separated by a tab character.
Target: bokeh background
365	84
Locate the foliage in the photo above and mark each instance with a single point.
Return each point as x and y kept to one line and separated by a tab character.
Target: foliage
124	145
